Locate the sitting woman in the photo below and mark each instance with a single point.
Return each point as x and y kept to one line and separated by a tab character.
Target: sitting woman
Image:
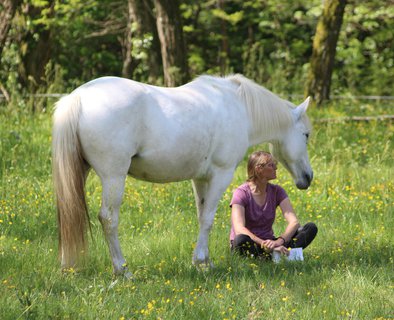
253	208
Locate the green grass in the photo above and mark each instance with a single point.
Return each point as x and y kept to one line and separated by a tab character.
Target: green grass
347	272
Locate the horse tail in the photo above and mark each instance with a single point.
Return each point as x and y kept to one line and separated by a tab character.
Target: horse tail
69	180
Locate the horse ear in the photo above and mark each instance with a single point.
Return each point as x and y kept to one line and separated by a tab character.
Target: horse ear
301	109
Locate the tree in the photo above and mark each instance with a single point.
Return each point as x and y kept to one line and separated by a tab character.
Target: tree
7	12
173	50
92	44
268	41
141	37
224	48
324	48
37	44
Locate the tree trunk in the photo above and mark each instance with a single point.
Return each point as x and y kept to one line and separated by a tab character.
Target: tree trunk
324	47
127	70
173	51
141	21
7	12
224	48
37	50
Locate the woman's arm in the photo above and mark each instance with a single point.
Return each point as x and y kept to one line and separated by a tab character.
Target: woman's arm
292	226
238	221
291	218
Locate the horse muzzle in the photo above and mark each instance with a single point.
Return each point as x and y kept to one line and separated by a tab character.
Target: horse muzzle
305	181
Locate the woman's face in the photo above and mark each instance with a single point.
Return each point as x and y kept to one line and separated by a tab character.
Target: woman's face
268	169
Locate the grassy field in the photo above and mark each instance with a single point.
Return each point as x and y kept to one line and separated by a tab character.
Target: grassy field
347	272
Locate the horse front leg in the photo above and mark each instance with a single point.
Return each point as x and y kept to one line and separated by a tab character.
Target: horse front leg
207	194
112	195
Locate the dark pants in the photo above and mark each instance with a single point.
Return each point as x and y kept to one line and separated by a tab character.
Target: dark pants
301	239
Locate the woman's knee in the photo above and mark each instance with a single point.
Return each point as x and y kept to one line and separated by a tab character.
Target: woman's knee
242	239
311	228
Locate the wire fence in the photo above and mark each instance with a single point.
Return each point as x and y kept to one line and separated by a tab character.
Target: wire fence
388	117
38	95
347	97
356	118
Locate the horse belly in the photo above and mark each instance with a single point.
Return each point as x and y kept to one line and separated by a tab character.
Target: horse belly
170	165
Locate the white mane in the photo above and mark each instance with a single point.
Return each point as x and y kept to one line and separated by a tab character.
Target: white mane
268	113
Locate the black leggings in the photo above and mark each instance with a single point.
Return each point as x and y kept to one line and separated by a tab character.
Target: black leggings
301	239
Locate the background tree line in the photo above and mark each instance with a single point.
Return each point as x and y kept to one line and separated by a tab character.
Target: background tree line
288	46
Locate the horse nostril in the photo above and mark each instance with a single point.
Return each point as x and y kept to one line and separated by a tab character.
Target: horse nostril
308	177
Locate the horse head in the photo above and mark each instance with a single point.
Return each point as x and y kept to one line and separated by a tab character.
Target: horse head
291	148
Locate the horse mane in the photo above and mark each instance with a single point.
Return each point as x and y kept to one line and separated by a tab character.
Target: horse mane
268	113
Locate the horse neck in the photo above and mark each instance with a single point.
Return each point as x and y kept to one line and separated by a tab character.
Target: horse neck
270	120
270	116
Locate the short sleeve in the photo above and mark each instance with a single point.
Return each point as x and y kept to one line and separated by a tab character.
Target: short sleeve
239	197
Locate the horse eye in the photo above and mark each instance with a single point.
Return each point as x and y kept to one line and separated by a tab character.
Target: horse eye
307	137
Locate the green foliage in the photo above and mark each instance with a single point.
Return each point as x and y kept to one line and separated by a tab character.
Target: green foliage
269	41
365	50
347	272
90	47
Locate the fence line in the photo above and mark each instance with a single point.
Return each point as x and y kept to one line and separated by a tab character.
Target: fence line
46	95
362	97
356	118
347	97
322	120
40	95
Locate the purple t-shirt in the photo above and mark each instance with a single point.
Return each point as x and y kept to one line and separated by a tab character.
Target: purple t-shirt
258	219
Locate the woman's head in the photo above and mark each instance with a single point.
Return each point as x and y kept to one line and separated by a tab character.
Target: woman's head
258	160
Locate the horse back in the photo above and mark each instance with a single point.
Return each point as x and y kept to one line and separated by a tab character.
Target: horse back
169	133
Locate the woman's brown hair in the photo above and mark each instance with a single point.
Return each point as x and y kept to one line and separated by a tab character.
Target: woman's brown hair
255	159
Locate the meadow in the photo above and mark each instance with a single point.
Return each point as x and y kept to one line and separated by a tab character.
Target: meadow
347	272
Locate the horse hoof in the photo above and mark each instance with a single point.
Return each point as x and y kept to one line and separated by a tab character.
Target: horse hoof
128	275
123	272
204	266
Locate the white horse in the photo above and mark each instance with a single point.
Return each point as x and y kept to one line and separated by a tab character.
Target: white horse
198	131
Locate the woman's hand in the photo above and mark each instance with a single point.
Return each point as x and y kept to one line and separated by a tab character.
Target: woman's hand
282	250
272	244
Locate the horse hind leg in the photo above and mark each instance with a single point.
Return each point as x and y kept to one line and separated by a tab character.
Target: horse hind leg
112	194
